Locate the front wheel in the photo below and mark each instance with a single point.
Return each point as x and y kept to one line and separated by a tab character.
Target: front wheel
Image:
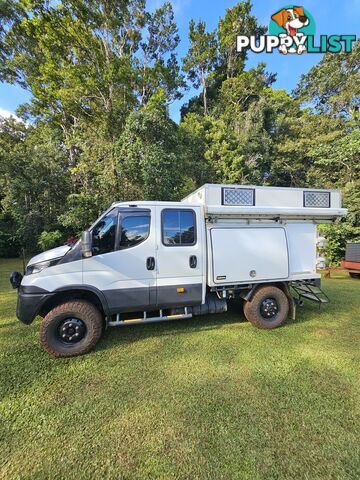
70	329
268	308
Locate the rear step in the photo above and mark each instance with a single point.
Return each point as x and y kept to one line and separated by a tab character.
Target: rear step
310	292
146	319
314	298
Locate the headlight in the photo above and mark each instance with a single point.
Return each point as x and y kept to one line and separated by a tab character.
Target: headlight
38	267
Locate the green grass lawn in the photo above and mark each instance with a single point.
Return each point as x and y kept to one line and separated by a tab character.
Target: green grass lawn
206	398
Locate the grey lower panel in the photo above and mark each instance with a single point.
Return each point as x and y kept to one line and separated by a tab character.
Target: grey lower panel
144	298
169	296
128	299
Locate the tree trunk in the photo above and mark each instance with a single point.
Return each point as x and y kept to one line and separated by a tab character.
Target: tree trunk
205	98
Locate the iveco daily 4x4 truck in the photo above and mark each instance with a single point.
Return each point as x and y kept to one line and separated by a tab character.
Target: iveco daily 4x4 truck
152	261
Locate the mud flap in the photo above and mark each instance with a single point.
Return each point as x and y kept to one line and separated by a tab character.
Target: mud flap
292	302
292	308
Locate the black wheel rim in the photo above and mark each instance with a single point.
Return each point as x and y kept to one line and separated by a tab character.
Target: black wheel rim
269	308
71	331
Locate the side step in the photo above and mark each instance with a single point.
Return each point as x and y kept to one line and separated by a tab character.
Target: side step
146	319
310	292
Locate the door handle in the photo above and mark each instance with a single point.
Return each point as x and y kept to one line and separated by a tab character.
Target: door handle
192	261
150	263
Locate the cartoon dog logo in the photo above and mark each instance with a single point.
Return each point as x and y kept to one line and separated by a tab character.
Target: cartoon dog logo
291	20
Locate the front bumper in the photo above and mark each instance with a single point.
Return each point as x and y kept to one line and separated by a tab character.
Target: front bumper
29	304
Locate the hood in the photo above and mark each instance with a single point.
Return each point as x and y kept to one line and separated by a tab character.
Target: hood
49	254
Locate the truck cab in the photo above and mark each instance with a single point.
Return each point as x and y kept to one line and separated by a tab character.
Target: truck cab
152	261
143	254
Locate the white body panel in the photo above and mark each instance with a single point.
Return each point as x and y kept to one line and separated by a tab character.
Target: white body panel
248	254
173	266
283	251
120	269
57	252
123	275
58	276
301	239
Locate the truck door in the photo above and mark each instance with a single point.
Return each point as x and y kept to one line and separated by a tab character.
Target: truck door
180	256
123	262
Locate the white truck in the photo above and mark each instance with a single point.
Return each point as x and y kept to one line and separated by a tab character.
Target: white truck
151	261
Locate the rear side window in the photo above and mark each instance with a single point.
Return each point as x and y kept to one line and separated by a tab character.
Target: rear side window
134	230
178	227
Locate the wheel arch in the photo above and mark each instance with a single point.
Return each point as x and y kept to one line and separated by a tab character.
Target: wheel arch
76	292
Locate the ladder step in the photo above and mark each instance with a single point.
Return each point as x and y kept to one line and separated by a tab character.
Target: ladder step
308	289
316	290
310	292
314	298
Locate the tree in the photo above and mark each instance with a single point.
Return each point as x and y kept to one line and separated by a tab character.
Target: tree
75	57
194	130
333	85
241	143
237	94
237	21
34	180
224	61
200	60
81	61
149	153
336	161
9	11
158	66
295	131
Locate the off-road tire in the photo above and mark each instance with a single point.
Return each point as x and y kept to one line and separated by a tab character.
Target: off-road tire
87	313
252	308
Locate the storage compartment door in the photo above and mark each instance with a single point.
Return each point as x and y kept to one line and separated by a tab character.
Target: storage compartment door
249	254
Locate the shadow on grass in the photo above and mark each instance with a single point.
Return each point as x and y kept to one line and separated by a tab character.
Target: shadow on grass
130	334
133	333
309	312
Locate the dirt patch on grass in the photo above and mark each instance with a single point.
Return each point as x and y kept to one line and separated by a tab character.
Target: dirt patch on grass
322	333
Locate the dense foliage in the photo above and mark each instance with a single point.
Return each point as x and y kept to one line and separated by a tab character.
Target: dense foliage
101	74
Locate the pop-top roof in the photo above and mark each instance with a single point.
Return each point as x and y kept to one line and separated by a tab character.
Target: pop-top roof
282	202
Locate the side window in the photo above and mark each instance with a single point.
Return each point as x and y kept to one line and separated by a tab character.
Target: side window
178	227
134	230
104	233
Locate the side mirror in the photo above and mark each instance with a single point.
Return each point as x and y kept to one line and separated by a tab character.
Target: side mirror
15	279
86	243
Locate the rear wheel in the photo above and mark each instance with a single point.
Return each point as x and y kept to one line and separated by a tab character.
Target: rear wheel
268	308
70	329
